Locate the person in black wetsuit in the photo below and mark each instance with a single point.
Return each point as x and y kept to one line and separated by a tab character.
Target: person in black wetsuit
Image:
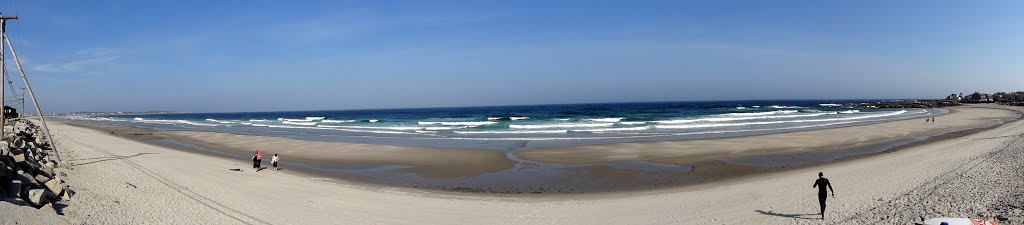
821	183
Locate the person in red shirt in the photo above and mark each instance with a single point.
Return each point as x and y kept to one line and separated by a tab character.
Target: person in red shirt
259	160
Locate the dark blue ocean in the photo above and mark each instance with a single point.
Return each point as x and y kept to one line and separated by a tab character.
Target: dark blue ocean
520	127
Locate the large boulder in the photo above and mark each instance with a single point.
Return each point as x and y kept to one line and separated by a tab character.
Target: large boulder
26	179
55	185
39	197
42	179
13	189
18	143
18	156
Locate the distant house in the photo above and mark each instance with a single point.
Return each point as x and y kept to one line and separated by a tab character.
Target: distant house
979	98
10	112
954	97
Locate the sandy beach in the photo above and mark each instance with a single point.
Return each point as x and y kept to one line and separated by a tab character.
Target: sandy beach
587	168
121	181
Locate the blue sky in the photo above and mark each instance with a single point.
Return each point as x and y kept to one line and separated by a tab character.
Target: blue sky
220	56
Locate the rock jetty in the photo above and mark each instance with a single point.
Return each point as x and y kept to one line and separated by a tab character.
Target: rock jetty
30	175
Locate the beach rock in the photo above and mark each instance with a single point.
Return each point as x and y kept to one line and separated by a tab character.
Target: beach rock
18	143
38	197
18	157
42	179
47	172
50	165
48	208
15	201
55	185
26	179
13	189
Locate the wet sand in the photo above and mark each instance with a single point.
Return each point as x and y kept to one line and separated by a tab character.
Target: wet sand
695	151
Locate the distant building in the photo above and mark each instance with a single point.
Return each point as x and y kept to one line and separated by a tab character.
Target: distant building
979	98
954	97
10	112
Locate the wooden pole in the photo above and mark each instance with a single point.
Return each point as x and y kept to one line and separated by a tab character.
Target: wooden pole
3	89
32	94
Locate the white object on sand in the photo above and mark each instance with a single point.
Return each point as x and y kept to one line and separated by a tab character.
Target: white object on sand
957	221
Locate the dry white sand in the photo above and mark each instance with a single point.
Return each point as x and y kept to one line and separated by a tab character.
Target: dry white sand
120	181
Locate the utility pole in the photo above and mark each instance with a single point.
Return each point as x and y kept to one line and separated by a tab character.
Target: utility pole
39	111
5	44
3	64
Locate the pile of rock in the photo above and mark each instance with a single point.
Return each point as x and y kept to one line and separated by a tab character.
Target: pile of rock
29	174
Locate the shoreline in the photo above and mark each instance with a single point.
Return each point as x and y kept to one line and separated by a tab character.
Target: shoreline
701	172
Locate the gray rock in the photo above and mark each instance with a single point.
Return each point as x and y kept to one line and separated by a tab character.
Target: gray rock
26	179
18	157
15	201
42	179
18	143
39	196
55	185
13	188
48	208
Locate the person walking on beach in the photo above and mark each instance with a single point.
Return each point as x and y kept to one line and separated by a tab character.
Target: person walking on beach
259	160
822	193
273	161
255	162
933	119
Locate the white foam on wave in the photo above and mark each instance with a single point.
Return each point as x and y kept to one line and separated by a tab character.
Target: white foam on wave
393	128
493	118
784	107
619	129
518	118
299	123
514	132
219	121
563	125
172	122
849	111
255	120
337	129
563	119
725	119
374	121
315	118
760	113
777	122
337	121
466	123
607	120
633	123
829	105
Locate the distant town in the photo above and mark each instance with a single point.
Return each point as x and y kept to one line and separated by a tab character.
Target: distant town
1003	98
112	113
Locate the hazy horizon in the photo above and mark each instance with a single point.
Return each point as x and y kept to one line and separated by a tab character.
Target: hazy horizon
199	56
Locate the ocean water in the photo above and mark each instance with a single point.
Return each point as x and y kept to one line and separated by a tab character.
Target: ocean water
521	127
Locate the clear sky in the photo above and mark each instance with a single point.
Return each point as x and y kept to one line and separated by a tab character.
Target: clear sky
219	56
